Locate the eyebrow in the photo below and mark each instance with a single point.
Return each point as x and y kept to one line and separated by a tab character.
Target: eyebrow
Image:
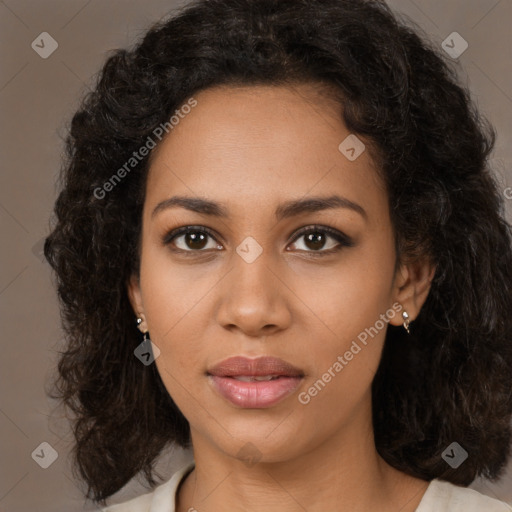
285	210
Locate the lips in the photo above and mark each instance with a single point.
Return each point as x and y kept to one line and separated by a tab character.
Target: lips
260	367
254	383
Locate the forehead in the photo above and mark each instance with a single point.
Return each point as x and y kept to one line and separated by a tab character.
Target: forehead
259	145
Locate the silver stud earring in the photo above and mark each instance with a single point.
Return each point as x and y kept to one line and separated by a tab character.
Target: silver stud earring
146	337
407	322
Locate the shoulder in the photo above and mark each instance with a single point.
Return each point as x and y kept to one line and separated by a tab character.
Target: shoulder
139	504
161	499
444	496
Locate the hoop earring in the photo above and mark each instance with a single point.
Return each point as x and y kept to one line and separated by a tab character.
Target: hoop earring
407	322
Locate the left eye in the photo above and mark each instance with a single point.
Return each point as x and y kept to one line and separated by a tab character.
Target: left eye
315	238
195	239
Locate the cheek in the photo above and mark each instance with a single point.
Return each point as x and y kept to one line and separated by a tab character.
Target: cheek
351	307
345	358
351	295
174	297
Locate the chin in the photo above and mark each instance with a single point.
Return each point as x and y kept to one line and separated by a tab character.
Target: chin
267	440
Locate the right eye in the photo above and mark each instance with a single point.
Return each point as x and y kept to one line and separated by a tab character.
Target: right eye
191	239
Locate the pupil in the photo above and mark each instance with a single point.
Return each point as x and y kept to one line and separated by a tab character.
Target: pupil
196	240
316	239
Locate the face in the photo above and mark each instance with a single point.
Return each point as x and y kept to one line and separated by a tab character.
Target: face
274	275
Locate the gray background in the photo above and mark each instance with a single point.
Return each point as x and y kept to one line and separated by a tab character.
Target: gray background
37	99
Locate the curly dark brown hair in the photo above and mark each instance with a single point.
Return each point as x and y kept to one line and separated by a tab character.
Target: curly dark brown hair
450	380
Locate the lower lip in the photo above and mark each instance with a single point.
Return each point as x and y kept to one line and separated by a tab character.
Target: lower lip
255	394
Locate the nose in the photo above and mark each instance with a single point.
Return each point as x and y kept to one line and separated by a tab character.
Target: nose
254	298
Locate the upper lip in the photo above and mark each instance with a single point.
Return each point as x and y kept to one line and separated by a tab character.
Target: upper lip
261	366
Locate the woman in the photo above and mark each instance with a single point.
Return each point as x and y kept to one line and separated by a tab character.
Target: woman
278	243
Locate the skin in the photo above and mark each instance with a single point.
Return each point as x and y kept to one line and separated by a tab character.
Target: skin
250	149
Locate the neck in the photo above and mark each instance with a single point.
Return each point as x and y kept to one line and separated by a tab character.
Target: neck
345	472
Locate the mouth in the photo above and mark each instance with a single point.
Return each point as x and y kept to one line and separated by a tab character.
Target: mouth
253	378
254	383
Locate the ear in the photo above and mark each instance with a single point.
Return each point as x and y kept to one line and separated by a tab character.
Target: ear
135	296
411	287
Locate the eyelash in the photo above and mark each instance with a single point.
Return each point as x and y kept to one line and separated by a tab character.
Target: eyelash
342	239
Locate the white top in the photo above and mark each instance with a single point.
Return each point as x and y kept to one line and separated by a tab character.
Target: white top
440	496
